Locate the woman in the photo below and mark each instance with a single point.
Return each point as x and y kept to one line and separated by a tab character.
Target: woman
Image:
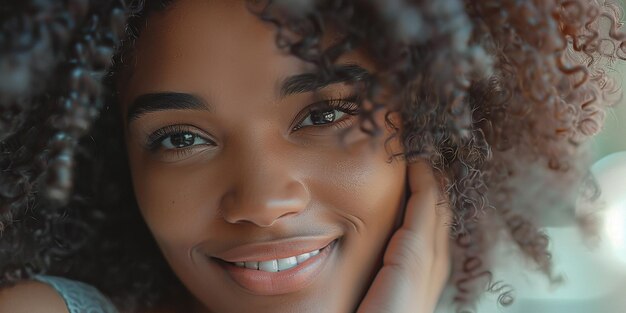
281	154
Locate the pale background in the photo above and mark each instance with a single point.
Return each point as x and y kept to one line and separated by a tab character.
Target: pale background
595	278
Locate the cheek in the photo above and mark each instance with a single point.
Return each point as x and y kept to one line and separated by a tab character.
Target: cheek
363	193
365	190
174	200
366	184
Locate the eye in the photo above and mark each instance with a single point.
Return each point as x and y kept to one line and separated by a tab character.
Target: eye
182	140
328	113
322	117
178	137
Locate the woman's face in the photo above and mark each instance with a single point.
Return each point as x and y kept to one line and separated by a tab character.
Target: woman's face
234	164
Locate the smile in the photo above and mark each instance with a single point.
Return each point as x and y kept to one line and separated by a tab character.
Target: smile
282	275
277	265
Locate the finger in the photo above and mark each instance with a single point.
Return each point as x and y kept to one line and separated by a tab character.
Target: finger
440	272
413	245
442	232
425	188
420	214
403	282
430	215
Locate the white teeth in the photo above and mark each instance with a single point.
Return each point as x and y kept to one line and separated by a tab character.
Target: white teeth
252	265
278	265
287	263
303	257
269	266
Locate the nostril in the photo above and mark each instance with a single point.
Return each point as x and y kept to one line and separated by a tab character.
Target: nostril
287	214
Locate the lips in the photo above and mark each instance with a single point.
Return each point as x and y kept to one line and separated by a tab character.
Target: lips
251	266
274	250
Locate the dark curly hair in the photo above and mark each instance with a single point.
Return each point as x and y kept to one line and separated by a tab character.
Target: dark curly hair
499	95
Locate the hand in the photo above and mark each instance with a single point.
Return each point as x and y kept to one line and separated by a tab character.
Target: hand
416	263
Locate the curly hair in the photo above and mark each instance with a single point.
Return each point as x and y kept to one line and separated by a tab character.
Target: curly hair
499	95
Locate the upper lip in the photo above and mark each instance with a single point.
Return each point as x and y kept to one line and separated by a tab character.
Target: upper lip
271	250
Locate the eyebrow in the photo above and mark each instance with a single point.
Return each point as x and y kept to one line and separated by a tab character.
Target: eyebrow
160	101
309	82
301	83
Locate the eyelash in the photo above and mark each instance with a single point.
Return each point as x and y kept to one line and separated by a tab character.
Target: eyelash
348	105
155	140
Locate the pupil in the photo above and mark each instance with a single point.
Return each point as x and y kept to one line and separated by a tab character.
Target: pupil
323	117
182	140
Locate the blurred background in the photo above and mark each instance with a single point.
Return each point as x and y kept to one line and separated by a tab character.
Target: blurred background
593	271
613	138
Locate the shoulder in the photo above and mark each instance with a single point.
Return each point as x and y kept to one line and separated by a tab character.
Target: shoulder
55	295
19	298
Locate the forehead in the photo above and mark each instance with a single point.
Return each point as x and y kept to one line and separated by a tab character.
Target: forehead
198	43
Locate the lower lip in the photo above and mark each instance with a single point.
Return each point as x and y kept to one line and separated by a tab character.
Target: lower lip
267	284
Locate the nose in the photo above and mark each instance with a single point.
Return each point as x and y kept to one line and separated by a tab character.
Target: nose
265	191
